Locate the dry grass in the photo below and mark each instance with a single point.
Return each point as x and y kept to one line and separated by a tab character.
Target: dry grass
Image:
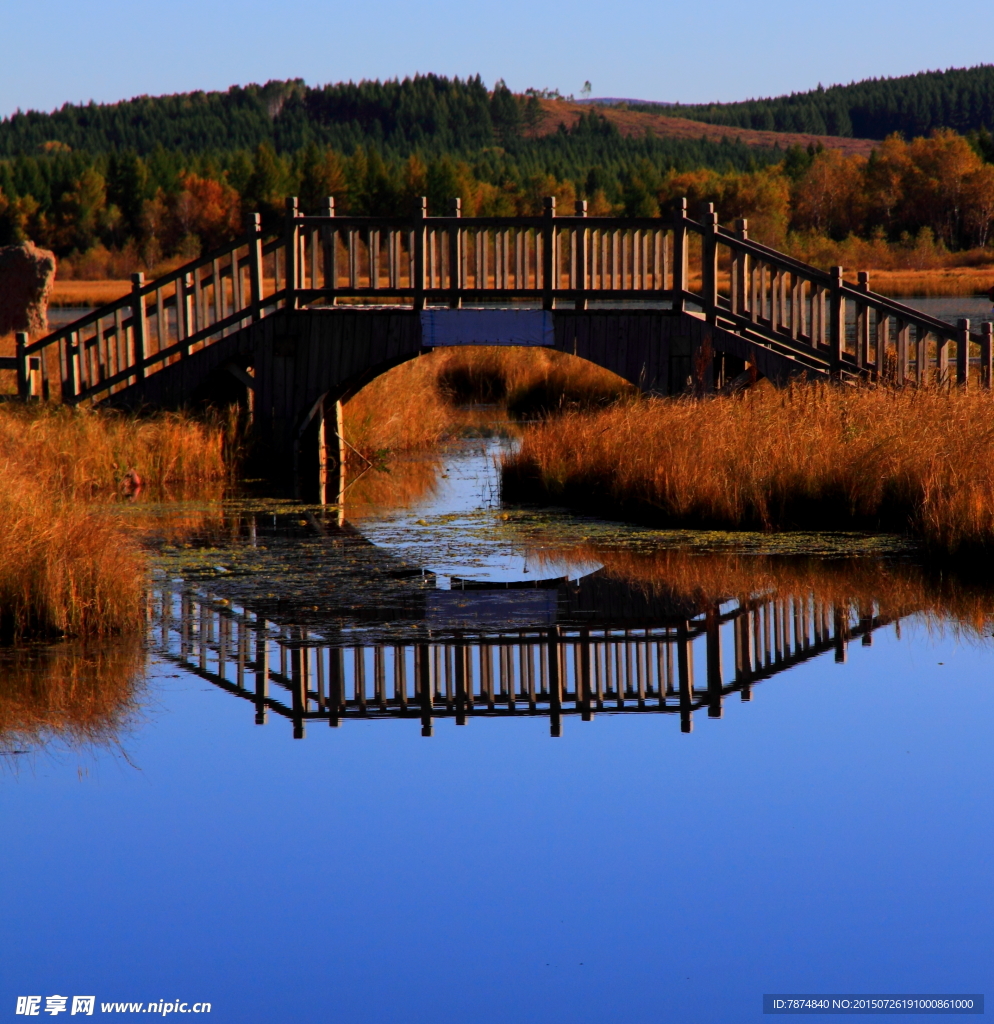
417	404
400	410
81	692
528	381
87	293
811	456
66	566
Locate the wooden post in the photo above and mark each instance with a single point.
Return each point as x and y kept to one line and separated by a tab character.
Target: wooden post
581	255
23	377
549	263
714	663
863	323
986	330
261	672
709	262
903	350
69	356
680	256
255	265
420	212
740	272
138	325
942	358
422	672
685	669
837	322
455	257
291	248
329	243
963	352
555	684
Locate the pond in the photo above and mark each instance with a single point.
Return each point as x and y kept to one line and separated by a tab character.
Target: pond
440	760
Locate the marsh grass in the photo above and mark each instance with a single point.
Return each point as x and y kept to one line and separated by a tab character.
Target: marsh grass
420	402
812	456
68	566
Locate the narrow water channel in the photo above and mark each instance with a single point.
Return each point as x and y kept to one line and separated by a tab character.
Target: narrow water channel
437	759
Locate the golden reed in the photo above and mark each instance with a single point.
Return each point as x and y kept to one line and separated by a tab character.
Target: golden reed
66	566
812	456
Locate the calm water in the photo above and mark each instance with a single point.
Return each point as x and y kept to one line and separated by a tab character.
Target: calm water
553	770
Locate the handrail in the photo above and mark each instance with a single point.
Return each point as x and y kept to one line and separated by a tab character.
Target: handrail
774	300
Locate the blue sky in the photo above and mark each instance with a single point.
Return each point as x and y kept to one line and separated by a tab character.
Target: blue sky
707	49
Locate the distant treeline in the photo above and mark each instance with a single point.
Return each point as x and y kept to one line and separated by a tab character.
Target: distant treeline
126	206
960	98
428	114
166	172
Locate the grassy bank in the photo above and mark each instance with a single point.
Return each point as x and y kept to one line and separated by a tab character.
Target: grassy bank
67	567
811	457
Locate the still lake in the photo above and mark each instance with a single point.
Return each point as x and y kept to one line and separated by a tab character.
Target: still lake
549	769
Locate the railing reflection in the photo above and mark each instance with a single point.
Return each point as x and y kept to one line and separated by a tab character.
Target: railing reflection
555	671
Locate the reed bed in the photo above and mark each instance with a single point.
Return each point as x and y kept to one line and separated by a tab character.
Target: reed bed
68	567
812	456
527	381
418	403
401	410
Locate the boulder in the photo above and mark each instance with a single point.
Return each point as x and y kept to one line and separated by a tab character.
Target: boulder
26	277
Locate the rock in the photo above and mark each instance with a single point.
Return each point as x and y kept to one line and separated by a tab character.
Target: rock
26	277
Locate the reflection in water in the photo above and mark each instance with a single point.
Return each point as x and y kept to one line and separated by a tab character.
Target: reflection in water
636	652
313	619
78	693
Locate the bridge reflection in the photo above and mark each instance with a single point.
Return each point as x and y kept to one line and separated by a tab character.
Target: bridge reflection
558	670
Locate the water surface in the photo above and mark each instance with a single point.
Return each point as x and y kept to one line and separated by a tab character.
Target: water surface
552	770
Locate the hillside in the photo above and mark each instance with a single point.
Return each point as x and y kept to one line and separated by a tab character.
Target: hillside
635	123
959	98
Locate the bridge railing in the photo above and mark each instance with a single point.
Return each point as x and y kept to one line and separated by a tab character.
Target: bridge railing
815	318
158	322
301	675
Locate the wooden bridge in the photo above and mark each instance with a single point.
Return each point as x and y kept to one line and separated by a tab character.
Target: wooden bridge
305	675
294	324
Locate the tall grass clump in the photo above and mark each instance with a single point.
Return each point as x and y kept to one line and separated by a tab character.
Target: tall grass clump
66	566
400	410
918	460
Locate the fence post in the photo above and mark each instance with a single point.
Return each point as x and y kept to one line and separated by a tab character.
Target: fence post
455	256
581	255
255	264
329	240
863	323
138	332
709	258
837	322
420	213
740	272
23	382
680	256
291	233
963	353
549	253
986	329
